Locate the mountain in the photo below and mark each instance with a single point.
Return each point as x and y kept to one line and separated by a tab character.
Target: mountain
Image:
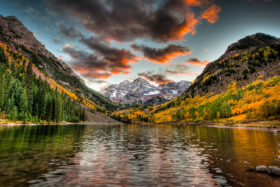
26	97
141	91
243	84
174	89
20	39
243	62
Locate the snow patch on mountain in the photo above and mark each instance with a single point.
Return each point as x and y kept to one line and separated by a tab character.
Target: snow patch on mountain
140	90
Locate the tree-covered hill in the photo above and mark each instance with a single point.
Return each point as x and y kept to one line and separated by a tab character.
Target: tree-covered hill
24	96
19	38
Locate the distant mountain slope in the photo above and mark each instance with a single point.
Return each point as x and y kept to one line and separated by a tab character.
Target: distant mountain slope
255	57
243	61
19	38
141	91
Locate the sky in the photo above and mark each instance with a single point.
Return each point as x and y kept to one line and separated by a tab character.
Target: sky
162	41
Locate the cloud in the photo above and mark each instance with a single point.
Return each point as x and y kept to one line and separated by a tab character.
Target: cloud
127	20
69	32
104	62
196	62
87	64
211	14
160	76
156	78
121	57
97	81
163	55
193	2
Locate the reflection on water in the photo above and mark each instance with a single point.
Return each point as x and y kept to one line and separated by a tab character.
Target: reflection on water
135	155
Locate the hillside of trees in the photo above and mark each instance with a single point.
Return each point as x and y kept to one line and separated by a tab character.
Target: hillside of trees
15	35
25	97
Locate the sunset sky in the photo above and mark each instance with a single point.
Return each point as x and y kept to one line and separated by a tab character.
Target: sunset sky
109	41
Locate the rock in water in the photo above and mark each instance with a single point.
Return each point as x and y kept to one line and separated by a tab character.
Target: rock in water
261	169
274	170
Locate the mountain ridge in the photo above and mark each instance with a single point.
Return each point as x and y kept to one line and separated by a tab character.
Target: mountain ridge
228	67
260	60
139	91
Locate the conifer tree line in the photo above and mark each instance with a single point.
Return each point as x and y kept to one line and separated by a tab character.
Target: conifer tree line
25	97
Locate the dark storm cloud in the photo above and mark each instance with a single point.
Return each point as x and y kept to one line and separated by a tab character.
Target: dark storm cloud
121	57
162	55
104	62
126	20
88	65
69	32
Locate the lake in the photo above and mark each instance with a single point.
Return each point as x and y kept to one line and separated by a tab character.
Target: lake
135	155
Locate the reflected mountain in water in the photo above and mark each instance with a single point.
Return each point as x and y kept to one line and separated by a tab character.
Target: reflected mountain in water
135	155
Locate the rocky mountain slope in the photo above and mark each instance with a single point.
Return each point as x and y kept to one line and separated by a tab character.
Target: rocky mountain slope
19	38
243	62
141	91
243	84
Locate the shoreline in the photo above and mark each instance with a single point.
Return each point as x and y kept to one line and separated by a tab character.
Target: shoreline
257	125
67	123
261	125
19	123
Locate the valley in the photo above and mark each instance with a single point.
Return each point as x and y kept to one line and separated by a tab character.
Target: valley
240	86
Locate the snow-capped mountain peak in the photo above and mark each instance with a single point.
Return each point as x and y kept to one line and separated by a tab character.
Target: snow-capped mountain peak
140	91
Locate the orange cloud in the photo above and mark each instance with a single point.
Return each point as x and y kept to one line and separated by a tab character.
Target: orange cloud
191	22
196	62
189	26
193	2
168	57
94	74
211	14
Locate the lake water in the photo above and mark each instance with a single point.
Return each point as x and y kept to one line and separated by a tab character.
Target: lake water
135	155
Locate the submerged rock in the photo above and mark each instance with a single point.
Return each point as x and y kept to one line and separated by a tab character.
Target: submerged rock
261	169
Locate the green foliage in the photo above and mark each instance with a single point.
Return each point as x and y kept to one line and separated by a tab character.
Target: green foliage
124	119
25	97
270	109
